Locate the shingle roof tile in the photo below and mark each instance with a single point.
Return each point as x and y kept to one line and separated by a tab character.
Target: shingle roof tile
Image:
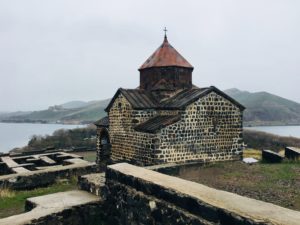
103	122
156	123
141	99
166	55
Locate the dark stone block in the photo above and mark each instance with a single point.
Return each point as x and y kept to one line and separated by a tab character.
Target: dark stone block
272	157
292	153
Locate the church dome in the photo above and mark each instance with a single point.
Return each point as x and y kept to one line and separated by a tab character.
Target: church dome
165	56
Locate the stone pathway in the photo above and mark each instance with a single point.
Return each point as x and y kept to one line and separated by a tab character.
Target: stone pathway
50	204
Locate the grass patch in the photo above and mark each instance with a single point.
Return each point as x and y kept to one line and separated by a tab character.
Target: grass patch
276	183
88	155
13	202
6	193
283	171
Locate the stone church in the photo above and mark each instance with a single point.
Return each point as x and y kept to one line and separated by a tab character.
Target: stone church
169	119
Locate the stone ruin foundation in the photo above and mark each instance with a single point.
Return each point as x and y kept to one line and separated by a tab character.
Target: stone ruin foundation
31	171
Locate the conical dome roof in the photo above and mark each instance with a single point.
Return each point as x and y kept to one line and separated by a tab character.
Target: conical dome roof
165	56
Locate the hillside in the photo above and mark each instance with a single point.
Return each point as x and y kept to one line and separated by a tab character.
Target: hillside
266	109
74	104
262	108
72	113
6	115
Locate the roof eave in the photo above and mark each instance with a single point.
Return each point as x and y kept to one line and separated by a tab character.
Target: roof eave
185	67
223	94
112	100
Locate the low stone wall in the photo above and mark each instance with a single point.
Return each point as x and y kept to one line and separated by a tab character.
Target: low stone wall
93	183
43	178
88	214
135	195
72	207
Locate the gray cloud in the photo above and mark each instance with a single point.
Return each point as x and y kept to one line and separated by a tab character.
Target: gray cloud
56	51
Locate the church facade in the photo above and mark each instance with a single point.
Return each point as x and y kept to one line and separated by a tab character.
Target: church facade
168	119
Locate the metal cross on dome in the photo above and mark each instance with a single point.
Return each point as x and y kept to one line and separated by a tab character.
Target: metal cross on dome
165	30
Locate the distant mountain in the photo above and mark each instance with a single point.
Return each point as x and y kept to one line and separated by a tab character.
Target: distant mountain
5	115
74	104
263	108
71	112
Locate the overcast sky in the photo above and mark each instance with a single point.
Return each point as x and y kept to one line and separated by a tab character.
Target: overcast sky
54	51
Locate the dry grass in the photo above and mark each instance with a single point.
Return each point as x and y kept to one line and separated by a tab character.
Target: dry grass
252	153
7	193
256	154
281	152
12	202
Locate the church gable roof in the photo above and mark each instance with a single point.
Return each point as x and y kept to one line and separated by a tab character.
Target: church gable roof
166	55
156	123
224	95
103	122
141	99
186	97
183	98
138	98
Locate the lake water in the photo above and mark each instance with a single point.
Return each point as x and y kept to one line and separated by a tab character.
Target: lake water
18	134
293	131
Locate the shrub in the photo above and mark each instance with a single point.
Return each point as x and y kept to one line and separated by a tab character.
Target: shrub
263	140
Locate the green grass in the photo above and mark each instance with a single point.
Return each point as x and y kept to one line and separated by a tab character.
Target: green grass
13	202
263	108
283	171
91	112
276	183
88	155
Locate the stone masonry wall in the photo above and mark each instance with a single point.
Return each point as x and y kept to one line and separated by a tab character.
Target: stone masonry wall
210	130
87	214
127	144
171	78
98	145
42	179
135	195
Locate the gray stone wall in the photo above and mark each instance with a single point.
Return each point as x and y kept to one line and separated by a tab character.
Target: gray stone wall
43	178
172	78
136	195
210	130
98	146
126	143
87	214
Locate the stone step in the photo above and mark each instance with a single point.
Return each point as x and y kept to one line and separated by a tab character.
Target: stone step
66	155
93	183
20	170
47	160
76	161
292	153
272	157
9	162
66	206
